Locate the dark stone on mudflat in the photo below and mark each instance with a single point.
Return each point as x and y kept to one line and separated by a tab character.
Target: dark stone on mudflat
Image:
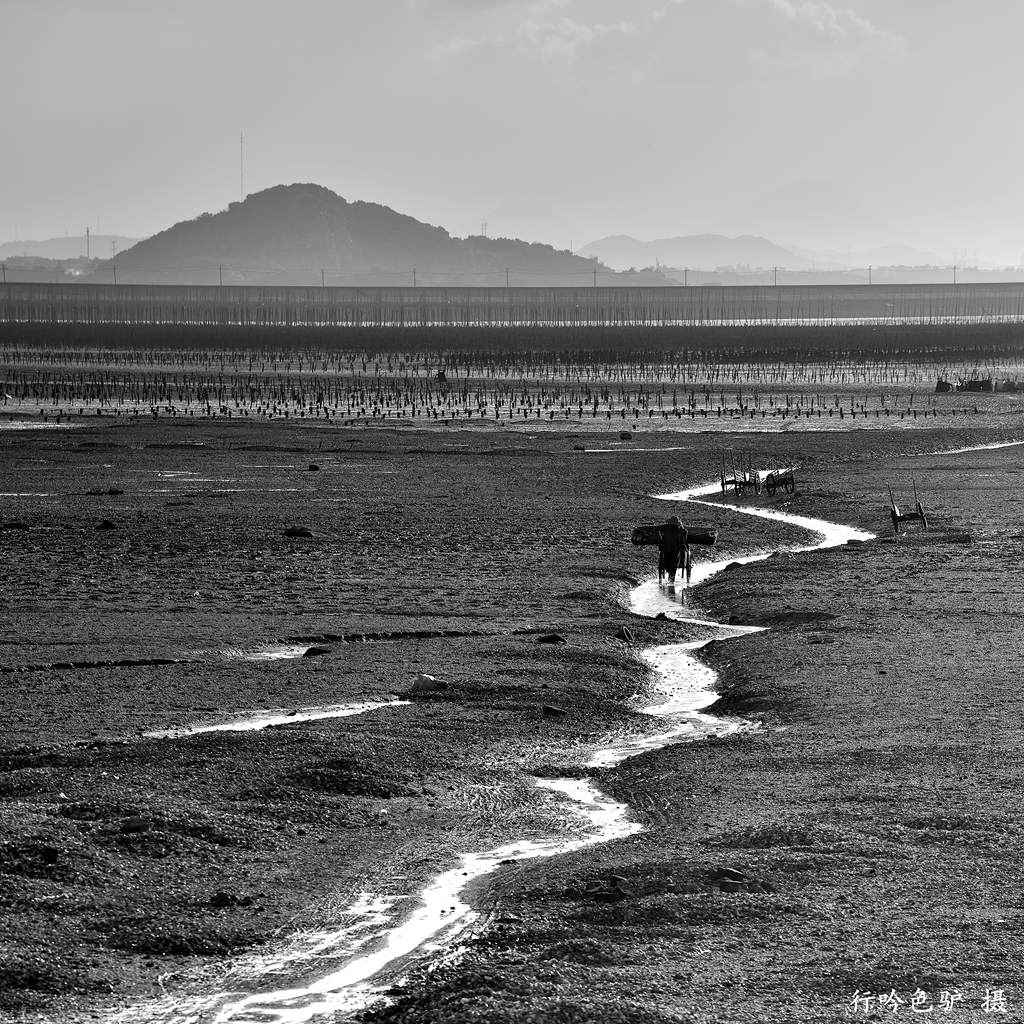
552	711
625	634
298	531
610	896
730	885
551	638
625	435
14	526
614	893
106	524
728	874
314	468
315	652
226	899
732	565
854	543
136	823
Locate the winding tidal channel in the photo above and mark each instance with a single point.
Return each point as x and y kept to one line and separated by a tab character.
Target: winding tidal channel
372	949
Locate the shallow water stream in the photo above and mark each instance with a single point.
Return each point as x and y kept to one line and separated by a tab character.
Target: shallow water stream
372	947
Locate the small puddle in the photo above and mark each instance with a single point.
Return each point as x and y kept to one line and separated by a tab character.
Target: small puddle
974	448
280	652
29	425
257	720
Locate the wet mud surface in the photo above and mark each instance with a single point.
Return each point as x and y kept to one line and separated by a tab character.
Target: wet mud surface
883	778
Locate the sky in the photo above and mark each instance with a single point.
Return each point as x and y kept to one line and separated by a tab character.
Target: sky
838	125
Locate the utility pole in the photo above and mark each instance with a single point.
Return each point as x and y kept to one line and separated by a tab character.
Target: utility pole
114	268
88	251
3	267
113	248
323	280
686	276
220	275
506	277
595	271
869	275
775	277
414	277
241	167
954	273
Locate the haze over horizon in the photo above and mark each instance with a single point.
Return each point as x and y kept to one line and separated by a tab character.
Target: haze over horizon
840	126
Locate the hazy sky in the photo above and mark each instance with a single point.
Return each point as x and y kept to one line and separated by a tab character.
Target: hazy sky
841	124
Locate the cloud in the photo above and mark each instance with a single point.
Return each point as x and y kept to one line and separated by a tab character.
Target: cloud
458	46
838	23
563	38
670	39
533	32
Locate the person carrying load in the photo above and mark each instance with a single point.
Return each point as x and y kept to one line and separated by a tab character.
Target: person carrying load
673	550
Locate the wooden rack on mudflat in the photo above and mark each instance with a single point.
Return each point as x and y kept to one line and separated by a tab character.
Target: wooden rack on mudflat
898	517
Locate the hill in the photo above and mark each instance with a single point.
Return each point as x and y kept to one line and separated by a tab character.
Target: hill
706	251
307	234
70	248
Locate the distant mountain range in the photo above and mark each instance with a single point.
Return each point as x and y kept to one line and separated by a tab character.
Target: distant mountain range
707	251
68	248
308	235
712	252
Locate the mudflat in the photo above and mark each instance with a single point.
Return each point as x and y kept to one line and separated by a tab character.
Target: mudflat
861	836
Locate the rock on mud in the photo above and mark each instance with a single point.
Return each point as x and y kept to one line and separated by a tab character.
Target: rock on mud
424	683
551	638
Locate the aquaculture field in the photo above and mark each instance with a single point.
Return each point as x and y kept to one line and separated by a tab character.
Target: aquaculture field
693	377
348	307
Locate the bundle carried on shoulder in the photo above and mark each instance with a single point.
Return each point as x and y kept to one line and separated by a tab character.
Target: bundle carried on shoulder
650	535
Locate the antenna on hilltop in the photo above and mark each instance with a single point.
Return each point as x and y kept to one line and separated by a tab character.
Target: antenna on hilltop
241	167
